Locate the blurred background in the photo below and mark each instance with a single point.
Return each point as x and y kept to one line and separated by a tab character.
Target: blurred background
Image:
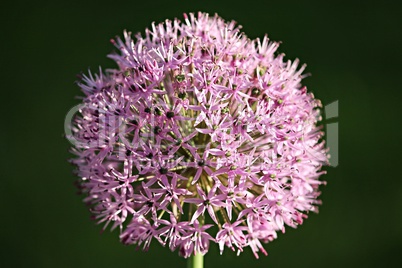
353	50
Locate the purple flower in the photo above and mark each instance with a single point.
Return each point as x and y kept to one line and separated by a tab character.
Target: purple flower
206	202
232	235
197	241
198	127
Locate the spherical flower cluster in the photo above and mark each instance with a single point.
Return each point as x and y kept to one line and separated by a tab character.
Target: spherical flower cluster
200	135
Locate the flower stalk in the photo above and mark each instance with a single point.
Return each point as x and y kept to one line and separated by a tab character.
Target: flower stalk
196	261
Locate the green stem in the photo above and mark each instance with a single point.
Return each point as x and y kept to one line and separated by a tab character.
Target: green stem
196	261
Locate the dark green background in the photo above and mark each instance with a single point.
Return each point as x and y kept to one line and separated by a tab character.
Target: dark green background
353	50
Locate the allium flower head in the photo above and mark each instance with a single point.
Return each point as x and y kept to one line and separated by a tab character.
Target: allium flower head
199	135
